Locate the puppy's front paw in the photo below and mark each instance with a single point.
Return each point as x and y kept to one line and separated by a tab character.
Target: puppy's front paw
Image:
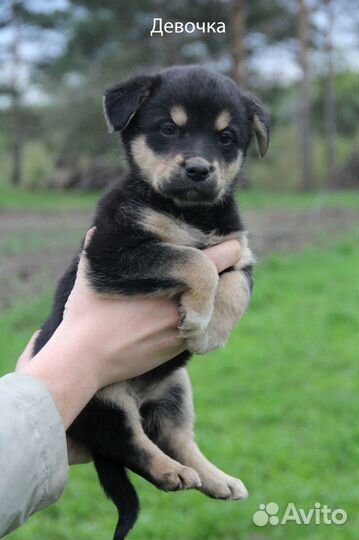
193	323
210	340
223	486
179	478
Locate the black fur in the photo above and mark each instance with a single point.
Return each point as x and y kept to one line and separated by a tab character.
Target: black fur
125	258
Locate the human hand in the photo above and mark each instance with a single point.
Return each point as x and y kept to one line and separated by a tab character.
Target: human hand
125	329
103	340
26	354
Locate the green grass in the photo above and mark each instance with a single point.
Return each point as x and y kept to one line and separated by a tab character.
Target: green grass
20	199
291	199
275	407
28	242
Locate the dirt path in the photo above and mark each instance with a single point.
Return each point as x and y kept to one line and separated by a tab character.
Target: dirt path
291	230
36	246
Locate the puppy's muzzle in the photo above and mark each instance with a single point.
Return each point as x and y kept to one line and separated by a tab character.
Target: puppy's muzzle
198	169
196	180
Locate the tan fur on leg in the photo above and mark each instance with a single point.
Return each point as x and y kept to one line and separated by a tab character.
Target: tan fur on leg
197	301
163	471
231	301
178	440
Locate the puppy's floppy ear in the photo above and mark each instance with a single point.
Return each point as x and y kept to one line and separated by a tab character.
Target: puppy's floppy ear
121	102
260	123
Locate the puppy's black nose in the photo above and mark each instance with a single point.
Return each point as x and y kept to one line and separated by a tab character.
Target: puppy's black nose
198	169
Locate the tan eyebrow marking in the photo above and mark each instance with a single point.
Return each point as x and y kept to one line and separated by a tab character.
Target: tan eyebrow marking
179	115
222	120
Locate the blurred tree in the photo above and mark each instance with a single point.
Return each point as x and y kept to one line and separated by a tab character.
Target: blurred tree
254	26
345	106
305	118
17	142
332	116
238	29
107	39
20	17
103	41
329	88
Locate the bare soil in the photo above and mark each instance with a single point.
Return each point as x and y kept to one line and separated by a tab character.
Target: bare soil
29	268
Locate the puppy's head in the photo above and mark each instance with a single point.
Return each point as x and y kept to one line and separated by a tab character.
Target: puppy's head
187	130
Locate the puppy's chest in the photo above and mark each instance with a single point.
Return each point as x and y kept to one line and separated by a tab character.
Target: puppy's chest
175	231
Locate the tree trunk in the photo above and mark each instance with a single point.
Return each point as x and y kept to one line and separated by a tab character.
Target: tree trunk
239	72
329	91
307	177
238	28
16	174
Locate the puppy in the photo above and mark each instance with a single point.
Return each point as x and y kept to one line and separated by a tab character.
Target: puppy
186	132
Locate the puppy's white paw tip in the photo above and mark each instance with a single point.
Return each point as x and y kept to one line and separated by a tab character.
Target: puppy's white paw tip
226	488
238	490
204	344
193	325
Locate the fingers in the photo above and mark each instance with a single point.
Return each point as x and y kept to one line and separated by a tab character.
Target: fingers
88	236
27	353
82	261
80	283
224	255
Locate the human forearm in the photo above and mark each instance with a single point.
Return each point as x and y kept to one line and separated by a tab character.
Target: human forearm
64	365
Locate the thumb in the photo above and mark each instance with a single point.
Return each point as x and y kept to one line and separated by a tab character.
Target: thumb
80	285
27	353
81	269
224	255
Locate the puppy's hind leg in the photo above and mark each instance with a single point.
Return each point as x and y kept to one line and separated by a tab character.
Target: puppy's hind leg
169	422
141	455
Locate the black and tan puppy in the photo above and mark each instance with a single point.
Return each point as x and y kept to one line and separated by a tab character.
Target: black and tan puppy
186	132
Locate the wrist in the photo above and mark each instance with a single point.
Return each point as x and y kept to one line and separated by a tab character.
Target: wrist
69	369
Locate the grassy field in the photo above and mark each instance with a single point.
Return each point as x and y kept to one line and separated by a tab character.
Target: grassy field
276	407
11	198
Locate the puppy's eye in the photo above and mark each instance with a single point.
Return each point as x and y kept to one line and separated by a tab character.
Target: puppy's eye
225	138
168	129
